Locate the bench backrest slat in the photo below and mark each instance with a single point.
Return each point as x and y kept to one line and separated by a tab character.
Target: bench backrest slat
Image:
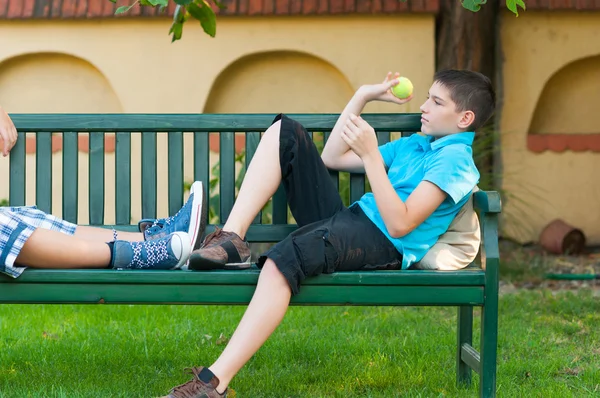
122	178
201	158
148	174
18	170
70	176
227	174
175	171
43	162
96	173
252	140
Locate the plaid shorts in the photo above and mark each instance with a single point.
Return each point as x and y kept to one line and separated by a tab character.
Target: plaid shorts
16	226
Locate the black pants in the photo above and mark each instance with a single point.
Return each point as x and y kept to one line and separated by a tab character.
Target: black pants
330	236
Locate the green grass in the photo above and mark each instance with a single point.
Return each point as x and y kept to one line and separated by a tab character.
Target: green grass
549	346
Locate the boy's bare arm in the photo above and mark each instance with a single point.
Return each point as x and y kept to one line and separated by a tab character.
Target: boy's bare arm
400	217
8	132
337	154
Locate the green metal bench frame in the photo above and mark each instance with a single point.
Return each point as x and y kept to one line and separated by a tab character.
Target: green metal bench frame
476	286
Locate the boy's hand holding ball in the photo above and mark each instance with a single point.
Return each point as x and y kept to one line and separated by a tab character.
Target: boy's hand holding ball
395	88
403	89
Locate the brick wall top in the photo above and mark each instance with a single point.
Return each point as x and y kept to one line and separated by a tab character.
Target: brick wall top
68	9
561	5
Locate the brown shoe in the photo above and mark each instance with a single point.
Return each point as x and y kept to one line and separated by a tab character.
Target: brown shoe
221	250
203	385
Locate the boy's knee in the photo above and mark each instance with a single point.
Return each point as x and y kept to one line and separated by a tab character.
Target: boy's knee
271	272
275	128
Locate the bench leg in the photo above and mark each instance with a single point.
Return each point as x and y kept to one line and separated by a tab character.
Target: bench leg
464	335
489	344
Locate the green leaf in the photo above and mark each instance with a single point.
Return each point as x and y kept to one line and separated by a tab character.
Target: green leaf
123	9
206	16
176	30
183	2
512	5
162	3
473	5
113	1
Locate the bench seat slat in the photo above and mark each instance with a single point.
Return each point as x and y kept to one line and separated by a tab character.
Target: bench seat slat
235	294
467	277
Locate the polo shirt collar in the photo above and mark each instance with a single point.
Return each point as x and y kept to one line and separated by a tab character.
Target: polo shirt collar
458	138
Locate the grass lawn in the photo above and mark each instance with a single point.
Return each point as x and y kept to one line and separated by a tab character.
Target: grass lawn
549	346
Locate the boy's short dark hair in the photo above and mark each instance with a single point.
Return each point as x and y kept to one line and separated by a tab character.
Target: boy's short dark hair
469	91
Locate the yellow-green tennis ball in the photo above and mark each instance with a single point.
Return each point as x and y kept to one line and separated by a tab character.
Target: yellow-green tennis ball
403	89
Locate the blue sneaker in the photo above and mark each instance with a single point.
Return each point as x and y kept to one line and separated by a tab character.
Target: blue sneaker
191	218
170	252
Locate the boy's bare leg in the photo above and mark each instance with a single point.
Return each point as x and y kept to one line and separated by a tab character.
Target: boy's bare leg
53	249
106	235
264	313
260	182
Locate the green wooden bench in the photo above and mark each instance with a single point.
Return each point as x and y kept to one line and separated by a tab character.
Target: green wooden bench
473	287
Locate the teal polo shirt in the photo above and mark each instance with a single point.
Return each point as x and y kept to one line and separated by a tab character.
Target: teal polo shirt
446	162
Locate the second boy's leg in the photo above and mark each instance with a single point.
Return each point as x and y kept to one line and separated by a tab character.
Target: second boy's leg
285	153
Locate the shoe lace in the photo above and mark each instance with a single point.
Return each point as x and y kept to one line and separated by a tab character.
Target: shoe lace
214	236
156	251
161	222
189	388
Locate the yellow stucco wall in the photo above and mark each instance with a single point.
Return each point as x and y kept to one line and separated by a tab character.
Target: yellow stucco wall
551	85
254	65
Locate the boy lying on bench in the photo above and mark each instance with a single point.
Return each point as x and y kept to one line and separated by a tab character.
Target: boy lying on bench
418	183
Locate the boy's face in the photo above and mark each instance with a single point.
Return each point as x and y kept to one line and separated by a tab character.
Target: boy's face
440	117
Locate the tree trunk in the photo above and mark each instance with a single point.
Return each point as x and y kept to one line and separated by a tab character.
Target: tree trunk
470	40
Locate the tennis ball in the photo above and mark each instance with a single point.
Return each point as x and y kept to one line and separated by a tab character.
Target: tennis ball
403	89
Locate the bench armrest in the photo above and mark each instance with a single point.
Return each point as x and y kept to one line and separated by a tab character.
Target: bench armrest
488	201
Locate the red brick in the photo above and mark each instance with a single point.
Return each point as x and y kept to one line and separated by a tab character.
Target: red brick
109	8
390	6
3	8
363	6
231	7
349	6
404	6
94	9
54	8
268	7
562	142
336	6
255	7
417	5
376	6
81	10
243	7
15	9
28	7
68	9
296	7
323	7
282	7
432	5
309	6
83	144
